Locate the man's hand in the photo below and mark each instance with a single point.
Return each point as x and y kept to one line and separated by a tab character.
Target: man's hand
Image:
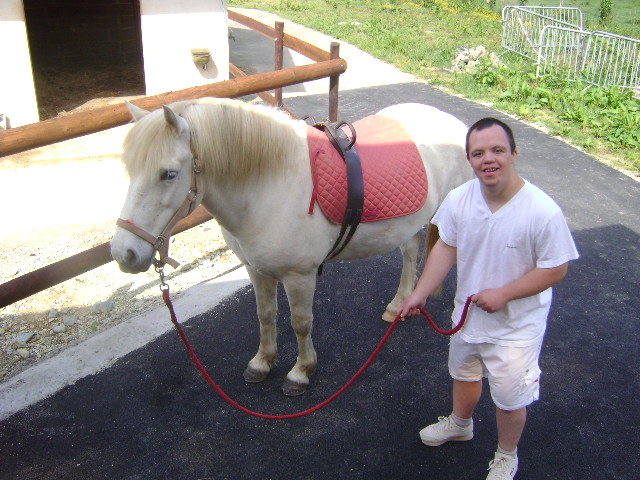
531	283
411	305
490	300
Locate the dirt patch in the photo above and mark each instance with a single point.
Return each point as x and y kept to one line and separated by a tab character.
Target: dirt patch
63	89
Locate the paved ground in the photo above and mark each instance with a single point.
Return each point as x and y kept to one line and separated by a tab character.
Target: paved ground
150	415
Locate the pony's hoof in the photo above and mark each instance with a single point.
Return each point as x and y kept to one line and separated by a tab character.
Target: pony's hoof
389	316
293	389
254	376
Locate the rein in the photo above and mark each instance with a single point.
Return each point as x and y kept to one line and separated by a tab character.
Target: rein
203	371
344	145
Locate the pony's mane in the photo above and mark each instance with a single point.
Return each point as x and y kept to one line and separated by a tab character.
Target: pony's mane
146	145
234	140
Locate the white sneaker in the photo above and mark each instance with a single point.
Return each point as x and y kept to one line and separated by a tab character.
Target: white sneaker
503	467
446	430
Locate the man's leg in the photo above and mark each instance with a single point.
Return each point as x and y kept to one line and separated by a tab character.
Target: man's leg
463	363
510	427
458	426
465	398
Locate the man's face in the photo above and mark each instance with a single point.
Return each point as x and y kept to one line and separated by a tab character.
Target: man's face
491	158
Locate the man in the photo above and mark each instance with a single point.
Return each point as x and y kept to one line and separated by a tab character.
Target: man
511	244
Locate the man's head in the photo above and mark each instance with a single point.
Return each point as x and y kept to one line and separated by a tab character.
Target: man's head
492	153
489	122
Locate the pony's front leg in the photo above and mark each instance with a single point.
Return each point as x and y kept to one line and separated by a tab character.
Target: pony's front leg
265	289
300	289
408	277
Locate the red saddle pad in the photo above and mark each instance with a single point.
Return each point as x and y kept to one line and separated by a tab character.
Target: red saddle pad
395	181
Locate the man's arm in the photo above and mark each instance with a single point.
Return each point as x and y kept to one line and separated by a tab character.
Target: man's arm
532	283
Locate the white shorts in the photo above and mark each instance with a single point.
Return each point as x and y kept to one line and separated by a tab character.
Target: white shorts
513	372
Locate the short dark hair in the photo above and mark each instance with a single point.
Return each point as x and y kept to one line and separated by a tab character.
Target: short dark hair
490	122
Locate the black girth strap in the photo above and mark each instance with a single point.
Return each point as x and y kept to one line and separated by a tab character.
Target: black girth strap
355	182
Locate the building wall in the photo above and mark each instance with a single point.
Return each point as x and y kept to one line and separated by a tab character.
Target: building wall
17	95
171	29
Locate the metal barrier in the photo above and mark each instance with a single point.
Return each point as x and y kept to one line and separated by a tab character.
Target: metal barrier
561	50
522	26
597	58
555	38
612	60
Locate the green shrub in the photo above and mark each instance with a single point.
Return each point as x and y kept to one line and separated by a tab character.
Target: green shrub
605	9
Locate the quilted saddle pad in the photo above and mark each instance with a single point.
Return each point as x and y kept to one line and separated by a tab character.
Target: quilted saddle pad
395	181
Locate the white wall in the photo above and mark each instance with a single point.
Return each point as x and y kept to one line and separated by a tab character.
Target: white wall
17	93
170	30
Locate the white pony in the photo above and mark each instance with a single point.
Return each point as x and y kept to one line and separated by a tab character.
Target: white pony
257	183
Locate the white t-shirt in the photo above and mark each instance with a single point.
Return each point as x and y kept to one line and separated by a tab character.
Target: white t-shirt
493	249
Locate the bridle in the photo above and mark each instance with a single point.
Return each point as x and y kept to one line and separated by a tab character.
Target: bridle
161	242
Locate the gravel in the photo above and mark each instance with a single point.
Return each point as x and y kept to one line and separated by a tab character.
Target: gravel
64	315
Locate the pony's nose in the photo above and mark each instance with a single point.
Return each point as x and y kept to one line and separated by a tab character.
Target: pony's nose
131	263
130	258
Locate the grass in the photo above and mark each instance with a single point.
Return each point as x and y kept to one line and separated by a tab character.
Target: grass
422	37
624	18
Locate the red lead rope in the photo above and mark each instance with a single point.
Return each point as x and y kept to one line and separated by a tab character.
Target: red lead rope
219	391
455	329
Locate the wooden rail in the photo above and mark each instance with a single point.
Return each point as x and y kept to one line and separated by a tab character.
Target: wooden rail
282	40
310	51
23	138
70	267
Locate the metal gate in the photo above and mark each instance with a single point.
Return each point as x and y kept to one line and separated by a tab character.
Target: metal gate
561	50
522	26
598	58
612	60
554	37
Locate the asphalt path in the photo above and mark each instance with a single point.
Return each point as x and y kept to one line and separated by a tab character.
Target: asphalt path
152	416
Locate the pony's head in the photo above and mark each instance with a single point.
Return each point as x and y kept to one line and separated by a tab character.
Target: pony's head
158	158
239	146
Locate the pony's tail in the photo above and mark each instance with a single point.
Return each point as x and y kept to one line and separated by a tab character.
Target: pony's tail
430	241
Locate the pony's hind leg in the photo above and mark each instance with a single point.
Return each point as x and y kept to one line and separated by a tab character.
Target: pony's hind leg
265	289
408	277
300	289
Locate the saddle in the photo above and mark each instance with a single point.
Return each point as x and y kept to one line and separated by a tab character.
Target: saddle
375	176
345	146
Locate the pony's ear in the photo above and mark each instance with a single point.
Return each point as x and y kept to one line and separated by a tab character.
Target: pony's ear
136	112
176	122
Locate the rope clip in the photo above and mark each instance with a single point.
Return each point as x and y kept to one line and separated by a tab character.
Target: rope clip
159	267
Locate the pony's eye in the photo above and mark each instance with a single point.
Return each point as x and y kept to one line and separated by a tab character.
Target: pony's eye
168	175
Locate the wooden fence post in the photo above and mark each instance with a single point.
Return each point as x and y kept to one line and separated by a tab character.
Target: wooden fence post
279	62
333	85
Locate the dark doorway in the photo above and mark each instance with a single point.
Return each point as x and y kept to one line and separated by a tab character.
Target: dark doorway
81	51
